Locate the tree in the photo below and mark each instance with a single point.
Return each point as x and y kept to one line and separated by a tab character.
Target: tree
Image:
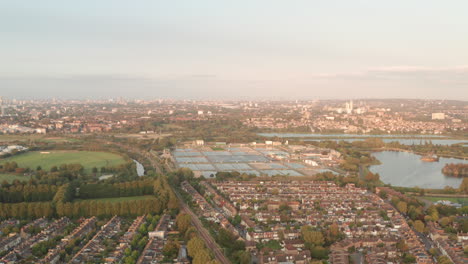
433	213
319	252
402	246
444	221
195	245
408	258
383	194
202	257
464	186
243	257
314	238
171	249
402	207
173	202
190	233
183	222
236	220
419	226
444	260
334	230
370	177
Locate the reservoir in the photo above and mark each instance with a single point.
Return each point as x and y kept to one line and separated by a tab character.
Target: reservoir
407	170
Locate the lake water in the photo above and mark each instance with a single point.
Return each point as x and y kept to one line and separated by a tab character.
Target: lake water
139	168
407	170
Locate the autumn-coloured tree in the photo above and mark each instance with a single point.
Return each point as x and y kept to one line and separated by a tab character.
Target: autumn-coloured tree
183	222
312	237
402	207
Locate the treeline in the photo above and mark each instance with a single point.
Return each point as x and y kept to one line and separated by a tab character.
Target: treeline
61	200
87	208
26	210
8	167
164	199
456	170
234	175
26	192
133	188
428	147
57	175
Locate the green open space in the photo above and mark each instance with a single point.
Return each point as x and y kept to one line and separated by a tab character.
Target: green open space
118	199
461	200
48	159
11	177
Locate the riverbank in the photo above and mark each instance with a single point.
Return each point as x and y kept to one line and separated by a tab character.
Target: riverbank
418	153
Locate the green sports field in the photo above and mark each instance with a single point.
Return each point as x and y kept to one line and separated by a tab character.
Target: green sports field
88	159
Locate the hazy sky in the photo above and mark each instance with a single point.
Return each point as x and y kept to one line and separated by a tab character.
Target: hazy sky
234	49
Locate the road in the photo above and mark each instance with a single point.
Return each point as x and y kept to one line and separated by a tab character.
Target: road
209	241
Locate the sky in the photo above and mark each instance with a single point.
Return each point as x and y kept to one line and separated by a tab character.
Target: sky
243	49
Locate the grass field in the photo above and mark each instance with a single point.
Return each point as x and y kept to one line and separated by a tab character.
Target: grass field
118	199
88	159
460	200
11	177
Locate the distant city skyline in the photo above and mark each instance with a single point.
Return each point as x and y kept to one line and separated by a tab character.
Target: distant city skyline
234	50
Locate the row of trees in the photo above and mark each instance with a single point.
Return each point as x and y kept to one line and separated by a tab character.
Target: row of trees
8	167
87	208
196	248
25	192
99	190
26	210
84	208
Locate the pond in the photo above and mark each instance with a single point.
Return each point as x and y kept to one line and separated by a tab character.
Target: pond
407	170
